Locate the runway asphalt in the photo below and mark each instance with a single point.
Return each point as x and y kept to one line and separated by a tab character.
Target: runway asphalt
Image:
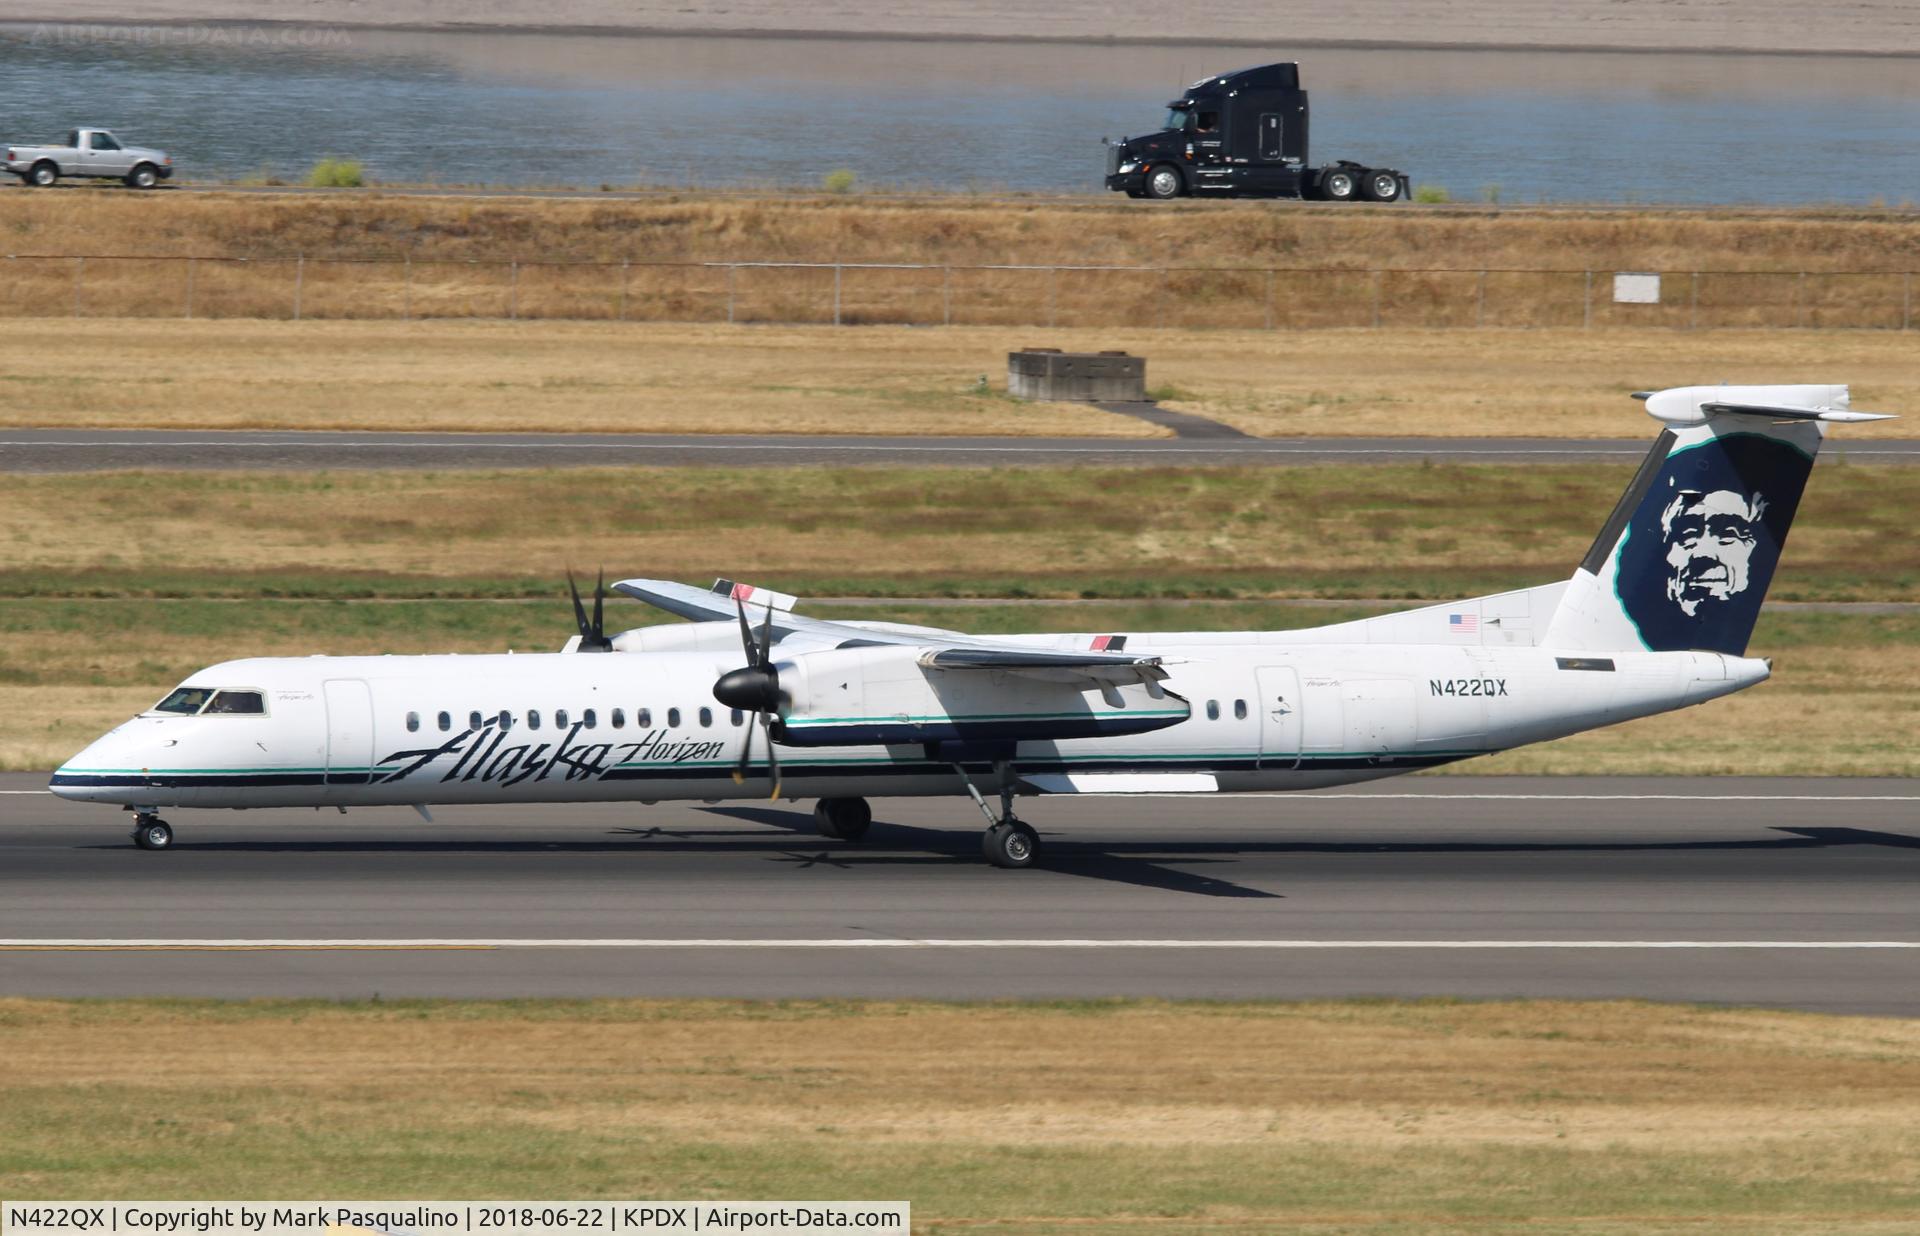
1773	892
89	450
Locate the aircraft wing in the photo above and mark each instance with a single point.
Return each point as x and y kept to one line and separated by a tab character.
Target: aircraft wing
942	649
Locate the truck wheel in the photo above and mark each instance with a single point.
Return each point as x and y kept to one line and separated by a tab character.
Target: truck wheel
1164	182
43	174
1380	186
143	177
1338	185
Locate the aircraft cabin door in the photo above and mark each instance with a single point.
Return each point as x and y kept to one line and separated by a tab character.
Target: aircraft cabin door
1279	716
349	732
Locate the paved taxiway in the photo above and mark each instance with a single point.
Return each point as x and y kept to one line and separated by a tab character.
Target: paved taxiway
1776	892
87	450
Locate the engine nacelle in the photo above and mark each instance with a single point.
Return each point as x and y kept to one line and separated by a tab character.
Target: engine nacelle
884	694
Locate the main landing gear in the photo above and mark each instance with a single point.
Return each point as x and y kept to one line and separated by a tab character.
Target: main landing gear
150	832
1008	842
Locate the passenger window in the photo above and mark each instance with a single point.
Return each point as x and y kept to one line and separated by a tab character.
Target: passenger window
706	717
533	718
475	720
237	703
1239	710
104	141
1209	122
619	718
413	722
1213	710
506	721
559	718
643	718
446	722
737	718
588	719
673	718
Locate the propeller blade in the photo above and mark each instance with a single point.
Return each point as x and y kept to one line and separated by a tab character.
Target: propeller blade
746	632
766	639
773	759
579	610
599	597
746	757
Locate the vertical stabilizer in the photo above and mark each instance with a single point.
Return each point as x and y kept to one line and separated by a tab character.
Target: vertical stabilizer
1686	557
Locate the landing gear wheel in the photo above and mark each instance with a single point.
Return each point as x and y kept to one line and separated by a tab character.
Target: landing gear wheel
143	177
1338	185
1380	186
43	175
1011	844
843	819
152	833
1164	182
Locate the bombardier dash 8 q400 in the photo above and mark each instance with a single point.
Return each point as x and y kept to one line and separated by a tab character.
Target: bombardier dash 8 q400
1656	617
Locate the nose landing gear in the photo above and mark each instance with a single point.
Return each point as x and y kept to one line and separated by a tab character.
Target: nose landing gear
150	832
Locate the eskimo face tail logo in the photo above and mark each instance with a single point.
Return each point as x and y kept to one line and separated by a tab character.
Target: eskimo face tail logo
1710	540
1699	551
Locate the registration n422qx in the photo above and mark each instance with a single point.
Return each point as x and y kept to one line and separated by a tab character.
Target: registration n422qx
750	699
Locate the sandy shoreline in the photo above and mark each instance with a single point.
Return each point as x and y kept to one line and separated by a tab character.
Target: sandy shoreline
1846	27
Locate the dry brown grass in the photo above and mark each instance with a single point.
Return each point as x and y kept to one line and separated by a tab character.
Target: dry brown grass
353	248
1616	1116
891	380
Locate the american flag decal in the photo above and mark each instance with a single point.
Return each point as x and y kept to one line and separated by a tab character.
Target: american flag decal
1463	624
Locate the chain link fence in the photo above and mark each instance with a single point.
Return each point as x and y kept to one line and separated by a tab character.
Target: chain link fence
869	293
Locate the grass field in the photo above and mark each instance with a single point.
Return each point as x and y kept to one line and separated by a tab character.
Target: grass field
892	380
1416	531
945	260
101	609
1087	1117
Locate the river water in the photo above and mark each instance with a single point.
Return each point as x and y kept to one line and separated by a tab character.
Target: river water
529	109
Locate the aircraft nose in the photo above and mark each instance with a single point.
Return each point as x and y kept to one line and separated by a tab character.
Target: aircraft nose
103	772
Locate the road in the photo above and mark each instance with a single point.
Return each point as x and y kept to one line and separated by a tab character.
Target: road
1771	892
86	450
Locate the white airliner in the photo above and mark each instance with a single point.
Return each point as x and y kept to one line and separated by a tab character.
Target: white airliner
1656	617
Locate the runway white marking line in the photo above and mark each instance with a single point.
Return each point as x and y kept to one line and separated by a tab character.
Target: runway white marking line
931	943
1118	446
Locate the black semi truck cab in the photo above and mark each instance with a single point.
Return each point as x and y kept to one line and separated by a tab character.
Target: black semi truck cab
1242	134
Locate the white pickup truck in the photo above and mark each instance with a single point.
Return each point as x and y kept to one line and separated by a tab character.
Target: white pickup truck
90	152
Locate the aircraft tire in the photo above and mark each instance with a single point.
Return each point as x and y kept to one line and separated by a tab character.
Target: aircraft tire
153	834
1010	844
842	819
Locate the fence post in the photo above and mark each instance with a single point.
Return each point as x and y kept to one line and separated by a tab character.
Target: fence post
626	273
189	289
1586	308
1379	277
299	281
1053	296
406	297
836	293
730	272
1803	313
513	290
1906	303
1480	304
1160	302
1269	300
1693	304
79	273
946	295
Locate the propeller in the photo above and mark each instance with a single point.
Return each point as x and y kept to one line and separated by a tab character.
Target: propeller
755	688
593	635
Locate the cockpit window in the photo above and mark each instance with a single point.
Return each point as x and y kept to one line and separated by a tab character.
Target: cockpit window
185	700
237	703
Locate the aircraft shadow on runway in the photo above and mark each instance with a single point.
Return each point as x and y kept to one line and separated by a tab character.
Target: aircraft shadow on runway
1148	864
